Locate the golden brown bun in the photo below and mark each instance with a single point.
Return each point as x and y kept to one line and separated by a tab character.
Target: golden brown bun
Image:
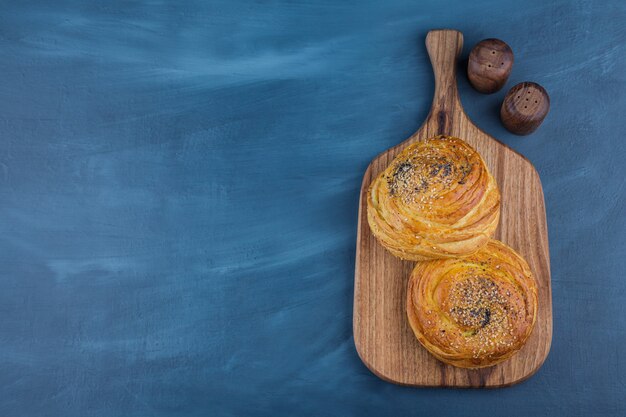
435	200
476	311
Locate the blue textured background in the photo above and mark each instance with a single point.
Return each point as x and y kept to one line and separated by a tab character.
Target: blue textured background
178	200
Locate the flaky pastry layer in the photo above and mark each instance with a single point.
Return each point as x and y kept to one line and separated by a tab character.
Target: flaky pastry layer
436	199
476	311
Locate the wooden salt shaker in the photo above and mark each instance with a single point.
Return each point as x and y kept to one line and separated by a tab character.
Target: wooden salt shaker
489	65
524	108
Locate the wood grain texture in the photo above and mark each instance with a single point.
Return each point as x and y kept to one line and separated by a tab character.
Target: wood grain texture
524	108
489	65
382	334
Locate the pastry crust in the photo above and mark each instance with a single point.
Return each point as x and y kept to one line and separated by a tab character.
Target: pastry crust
476	311
436	199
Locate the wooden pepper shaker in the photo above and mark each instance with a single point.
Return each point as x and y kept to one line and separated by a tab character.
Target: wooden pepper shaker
489	65
524	108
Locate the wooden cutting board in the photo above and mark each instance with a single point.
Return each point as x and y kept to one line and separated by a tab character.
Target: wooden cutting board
382	334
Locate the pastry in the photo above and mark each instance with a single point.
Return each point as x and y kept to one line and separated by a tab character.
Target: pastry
476	311
436	199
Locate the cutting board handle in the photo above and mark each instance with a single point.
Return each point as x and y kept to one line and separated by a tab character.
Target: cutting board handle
444	47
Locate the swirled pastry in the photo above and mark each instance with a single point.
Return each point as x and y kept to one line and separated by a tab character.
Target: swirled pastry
475	311
435	200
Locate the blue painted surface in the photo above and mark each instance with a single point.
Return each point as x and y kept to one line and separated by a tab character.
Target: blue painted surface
178	199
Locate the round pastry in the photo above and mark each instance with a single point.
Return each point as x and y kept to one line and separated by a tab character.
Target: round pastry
476	311
435	200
